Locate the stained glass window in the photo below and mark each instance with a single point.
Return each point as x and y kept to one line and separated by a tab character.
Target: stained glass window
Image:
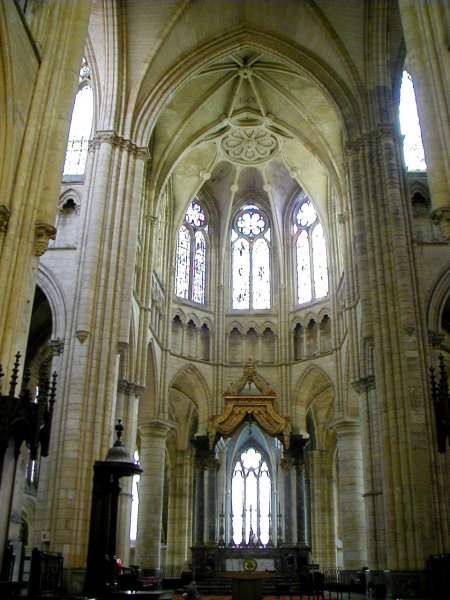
310	253
80	125
251	500
192	241
183	262
250	255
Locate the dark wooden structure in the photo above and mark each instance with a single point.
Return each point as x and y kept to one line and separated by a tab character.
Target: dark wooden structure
101	569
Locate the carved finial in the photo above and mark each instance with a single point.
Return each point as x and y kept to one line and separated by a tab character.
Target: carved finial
25	392
53	391
14	376
119	429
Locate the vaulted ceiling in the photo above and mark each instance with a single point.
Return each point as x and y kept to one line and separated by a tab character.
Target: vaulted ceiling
250	96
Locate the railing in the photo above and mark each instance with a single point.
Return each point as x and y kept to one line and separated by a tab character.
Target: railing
173	571
331	574
45	573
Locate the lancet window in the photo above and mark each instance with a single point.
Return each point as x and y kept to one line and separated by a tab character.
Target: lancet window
80	125
310	253
191	255
251	259
410	127
251	500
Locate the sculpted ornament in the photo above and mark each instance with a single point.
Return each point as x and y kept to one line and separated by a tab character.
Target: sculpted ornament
249	145
441	217
250	398
43	233
4	217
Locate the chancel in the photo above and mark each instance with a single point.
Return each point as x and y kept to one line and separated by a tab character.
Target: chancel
226	226
255	464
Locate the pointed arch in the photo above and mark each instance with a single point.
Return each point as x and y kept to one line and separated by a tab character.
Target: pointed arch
438	299
314	392
57	300
190	384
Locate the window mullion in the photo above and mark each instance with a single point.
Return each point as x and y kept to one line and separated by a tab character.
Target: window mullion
250	275
311	264
258	505
192	269
244	507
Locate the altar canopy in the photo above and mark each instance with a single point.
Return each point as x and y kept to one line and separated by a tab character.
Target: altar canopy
251	397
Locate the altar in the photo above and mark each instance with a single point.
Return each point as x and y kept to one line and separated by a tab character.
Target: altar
247	585
208	562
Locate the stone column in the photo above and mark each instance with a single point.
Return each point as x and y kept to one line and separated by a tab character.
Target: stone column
151	489
179	534
373	496
302	531
389	323
321	518
351	490
211	500
295	494
199	501
204	504
287	465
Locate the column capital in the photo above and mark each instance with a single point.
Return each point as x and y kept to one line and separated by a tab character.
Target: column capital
343	217
129	387
57	346
111	137
212	464
43	233
364	384
345	426
287	463
436	338
5	214
159	427
153	220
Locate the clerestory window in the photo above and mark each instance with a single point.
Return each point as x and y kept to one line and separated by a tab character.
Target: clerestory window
80	125
251	259
410	126
310	253
191	255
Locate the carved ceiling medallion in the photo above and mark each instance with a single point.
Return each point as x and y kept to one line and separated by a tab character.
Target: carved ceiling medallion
250	145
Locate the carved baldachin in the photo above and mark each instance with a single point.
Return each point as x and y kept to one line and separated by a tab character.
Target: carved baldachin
251	397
